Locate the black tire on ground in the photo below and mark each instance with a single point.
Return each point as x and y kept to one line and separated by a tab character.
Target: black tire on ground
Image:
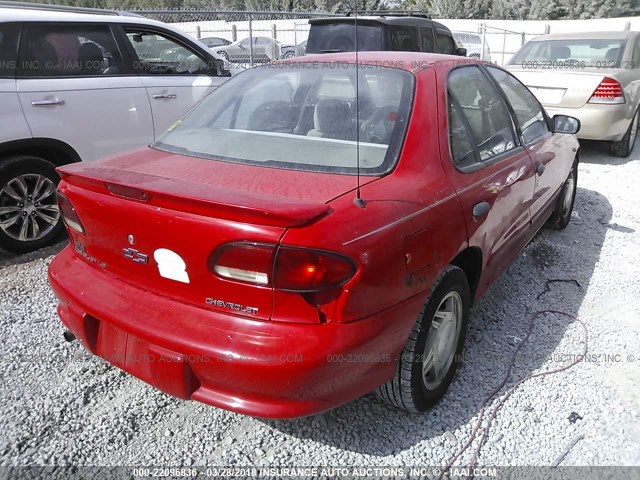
408	389
561	215
10	169
623	147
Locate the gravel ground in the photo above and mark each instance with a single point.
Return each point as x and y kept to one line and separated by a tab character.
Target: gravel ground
61	406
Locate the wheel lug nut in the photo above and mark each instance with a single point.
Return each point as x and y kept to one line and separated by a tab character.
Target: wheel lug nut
24	213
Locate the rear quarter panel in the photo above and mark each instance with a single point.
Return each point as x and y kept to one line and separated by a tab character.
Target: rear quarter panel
410	229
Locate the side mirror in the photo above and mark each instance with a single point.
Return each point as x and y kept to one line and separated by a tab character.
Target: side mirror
565	124
461	51
217	68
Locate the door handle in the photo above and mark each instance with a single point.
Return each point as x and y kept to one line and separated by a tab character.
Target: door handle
480	209
540	168
47	103
164	96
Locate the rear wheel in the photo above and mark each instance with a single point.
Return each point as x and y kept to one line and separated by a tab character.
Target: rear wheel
29	214
623	147
431	355
561	215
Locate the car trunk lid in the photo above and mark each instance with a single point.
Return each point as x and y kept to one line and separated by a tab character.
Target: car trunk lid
560	88
153	219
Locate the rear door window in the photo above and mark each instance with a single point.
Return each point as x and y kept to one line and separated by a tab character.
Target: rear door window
445	43
9	33
485	112
57	50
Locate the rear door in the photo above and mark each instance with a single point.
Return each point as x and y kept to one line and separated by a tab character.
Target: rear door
490	171
74	86
175	74
14	125
551	157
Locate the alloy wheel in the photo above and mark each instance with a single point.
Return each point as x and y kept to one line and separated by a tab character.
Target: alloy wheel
28	208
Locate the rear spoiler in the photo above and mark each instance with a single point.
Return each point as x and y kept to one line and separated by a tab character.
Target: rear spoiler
192	197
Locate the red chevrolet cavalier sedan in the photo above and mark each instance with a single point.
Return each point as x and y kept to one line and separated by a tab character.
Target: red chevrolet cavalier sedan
312	231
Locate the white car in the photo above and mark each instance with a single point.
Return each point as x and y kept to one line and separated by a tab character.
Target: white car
473	43
81	84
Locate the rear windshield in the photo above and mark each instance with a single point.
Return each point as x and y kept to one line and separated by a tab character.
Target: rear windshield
301	116
571	53
340	37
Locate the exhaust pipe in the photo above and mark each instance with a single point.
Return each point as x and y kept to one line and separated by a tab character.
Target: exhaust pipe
69	336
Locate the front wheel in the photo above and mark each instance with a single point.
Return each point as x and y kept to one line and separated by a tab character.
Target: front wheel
29	214
432	353
623	147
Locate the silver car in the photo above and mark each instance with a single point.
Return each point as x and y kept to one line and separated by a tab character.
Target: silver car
262	49
593	76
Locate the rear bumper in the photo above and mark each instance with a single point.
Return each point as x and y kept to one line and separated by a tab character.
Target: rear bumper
263	369
599	122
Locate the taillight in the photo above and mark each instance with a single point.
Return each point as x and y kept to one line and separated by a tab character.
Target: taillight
290	269
69	215
244	262
302	270
609	91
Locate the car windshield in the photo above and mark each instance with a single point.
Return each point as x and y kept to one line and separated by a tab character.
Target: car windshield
301	116
340	37
603	53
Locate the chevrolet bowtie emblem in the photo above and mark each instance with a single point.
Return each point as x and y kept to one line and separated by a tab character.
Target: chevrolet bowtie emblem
135	255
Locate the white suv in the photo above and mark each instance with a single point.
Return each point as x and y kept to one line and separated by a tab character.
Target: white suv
80	84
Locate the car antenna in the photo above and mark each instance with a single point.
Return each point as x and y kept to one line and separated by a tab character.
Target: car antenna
360	203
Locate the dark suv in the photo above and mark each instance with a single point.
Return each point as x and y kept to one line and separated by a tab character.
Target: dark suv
395	32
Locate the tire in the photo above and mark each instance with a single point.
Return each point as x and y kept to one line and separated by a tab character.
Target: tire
20	177
561	215
623	147
409	389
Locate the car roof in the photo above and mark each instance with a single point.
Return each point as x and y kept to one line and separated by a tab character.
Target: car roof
10	13
410	61
613	35
408	20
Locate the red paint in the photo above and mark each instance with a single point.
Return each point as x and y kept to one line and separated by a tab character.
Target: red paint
256	349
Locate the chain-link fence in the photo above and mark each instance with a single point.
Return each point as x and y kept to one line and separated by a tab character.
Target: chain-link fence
245	37
250	37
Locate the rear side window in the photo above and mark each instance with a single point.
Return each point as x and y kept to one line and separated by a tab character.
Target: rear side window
426	37
403	39
444	44
69	51
484	111
340	37
8	49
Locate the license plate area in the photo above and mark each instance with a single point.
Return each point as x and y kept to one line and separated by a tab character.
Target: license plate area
165	369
